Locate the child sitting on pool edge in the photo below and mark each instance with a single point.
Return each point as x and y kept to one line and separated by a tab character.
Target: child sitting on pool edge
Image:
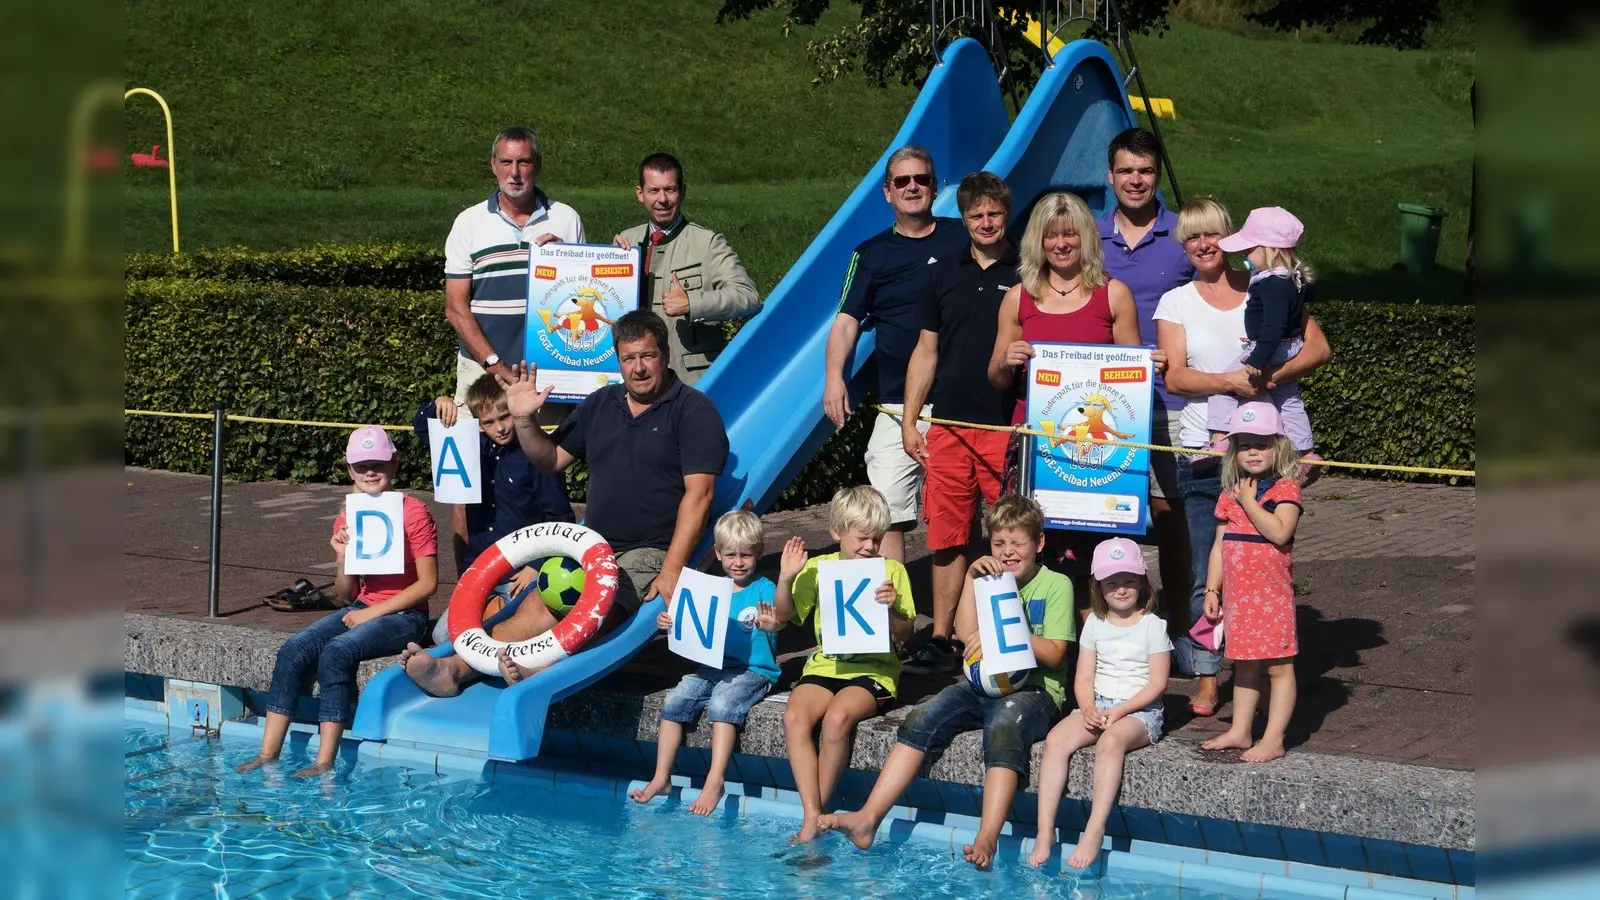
749	666
838	691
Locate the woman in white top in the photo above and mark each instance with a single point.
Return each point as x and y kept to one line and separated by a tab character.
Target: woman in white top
1200	326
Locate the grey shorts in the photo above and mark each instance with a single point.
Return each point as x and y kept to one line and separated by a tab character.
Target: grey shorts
636	569
1163	466
1153	717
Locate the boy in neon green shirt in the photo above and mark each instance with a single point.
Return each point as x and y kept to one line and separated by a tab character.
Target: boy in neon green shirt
1011	724
838	691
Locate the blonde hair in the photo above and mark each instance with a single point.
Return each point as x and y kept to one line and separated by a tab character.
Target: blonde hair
739	529
860	507
484	396
1300	271
1286	463
1015	511
1203	215
1050	209
1097	597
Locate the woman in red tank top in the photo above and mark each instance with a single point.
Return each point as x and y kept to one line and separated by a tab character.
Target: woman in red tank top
1065	295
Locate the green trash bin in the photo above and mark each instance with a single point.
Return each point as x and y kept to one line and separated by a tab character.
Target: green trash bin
1419	236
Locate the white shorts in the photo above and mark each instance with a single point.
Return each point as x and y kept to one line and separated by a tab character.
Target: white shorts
897	476
1164	429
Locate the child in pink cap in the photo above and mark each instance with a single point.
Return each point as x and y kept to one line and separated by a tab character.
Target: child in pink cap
1123	660
1274	316
1250	580
381	614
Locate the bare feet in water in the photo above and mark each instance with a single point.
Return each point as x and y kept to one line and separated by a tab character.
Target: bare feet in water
1041	853
857	826
981	851
1228	740
1265	750
649	791
809	830
710	796
320	768
254	764
1087	849
432	675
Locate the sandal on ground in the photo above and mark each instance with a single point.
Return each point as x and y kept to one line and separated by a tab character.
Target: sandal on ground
1203	710
303	597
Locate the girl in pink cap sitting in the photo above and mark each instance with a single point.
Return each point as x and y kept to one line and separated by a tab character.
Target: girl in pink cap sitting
1274	313
1249	583
381	614
1123	661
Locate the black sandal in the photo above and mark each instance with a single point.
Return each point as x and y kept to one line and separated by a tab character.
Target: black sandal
303	597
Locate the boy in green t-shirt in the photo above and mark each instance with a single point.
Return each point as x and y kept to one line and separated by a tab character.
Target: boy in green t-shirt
1011	724
838	691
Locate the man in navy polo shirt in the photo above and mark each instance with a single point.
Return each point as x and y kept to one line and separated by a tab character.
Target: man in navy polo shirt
654	446
1141	251
884	288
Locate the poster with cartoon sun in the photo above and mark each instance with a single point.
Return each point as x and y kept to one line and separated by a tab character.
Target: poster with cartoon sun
1079	392
576	292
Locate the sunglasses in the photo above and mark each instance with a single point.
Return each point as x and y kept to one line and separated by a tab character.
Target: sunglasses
923	179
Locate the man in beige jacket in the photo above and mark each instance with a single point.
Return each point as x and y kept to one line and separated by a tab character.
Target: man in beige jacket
691	277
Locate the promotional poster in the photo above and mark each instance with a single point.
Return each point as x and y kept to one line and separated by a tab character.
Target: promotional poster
576	292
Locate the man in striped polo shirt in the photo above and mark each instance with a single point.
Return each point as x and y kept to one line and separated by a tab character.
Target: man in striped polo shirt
486	258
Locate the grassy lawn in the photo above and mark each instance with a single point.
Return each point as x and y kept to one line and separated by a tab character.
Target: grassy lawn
312	123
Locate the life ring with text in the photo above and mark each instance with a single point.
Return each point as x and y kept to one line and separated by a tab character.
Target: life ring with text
512	552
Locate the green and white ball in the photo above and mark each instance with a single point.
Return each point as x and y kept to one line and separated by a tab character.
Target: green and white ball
560	583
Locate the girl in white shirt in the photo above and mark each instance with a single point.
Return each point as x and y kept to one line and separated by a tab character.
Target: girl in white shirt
1123	662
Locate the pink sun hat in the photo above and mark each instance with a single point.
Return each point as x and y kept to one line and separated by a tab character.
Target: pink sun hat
369	443
1257	417
1114	556
1268	226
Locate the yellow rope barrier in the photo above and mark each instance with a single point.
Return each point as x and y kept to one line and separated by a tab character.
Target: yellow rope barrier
262	420
1023	429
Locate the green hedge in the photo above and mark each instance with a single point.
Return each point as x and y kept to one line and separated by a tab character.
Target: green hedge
1400	388
397	266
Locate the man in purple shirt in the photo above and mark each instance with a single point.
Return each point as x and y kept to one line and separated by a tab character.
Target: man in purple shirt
1141	252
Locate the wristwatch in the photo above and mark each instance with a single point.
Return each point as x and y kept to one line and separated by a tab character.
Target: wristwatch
492	361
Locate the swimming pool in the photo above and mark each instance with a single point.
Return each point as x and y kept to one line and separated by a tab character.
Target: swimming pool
193	828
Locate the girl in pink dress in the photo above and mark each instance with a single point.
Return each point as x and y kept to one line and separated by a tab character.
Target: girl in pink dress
1249	582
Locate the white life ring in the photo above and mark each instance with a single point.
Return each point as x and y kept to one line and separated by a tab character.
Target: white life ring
512	552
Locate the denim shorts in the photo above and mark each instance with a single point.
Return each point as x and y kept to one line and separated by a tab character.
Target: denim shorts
1011	724
727	694
1153	716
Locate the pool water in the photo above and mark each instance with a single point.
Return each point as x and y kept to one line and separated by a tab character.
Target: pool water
194	828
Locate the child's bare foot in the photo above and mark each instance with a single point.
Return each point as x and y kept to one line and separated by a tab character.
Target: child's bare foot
509	670
317	768
254	764
430	674
1088	847
648	792
1229	740
981	851
1265	750
710	796
857	826
809	830
1041	853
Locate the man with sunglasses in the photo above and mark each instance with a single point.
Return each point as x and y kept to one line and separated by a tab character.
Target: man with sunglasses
884	287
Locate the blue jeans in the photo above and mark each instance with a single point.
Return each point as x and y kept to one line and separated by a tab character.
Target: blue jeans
1152	717
1011	724
727	694
332	653
1199	491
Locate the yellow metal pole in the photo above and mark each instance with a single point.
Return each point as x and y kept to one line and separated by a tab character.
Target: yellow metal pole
172	163
77	162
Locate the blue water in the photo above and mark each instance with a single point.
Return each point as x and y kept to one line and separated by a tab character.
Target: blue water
196	829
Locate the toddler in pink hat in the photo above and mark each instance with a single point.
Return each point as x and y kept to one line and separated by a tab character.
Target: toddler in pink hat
1274	317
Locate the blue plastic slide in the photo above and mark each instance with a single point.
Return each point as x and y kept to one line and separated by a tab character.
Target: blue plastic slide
768	386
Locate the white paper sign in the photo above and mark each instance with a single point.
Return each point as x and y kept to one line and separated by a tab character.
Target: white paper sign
1003	625
456	464
852	621
699	612
377	525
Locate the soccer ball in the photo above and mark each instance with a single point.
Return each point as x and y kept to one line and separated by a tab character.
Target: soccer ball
560	583
998	685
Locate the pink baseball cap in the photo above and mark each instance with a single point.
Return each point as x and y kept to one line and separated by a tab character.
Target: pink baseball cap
369	443
1256	417
1269	226
1116	555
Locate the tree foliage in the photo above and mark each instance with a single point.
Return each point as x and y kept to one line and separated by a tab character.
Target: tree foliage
1401	24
